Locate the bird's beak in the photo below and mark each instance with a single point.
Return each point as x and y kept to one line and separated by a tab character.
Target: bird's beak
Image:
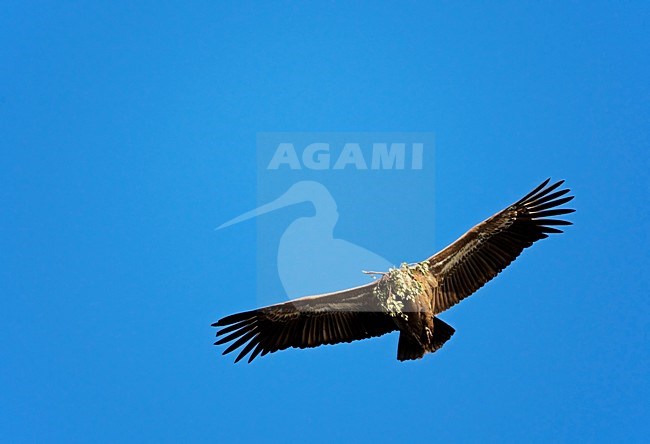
278	203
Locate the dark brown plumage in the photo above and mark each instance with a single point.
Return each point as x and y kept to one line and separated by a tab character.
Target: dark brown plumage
407	298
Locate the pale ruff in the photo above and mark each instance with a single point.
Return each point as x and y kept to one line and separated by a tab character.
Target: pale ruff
399	288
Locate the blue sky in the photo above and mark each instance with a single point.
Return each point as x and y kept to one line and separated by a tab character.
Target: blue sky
128	134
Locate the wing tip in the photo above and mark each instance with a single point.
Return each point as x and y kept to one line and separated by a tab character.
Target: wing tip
234	318
544	200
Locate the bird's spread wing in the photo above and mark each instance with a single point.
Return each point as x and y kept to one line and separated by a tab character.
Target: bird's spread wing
481	253
331	318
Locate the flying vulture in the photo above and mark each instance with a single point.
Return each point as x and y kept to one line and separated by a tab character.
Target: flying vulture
405	299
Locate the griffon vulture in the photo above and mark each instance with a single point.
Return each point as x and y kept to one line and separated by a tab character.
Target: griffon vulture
405	299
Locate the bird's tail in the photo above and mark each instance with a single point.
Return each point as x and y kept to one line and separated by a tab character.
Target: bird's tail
409	347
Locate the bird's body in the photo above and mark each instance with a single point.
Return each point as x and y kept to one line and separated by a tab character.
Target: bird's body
405	299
